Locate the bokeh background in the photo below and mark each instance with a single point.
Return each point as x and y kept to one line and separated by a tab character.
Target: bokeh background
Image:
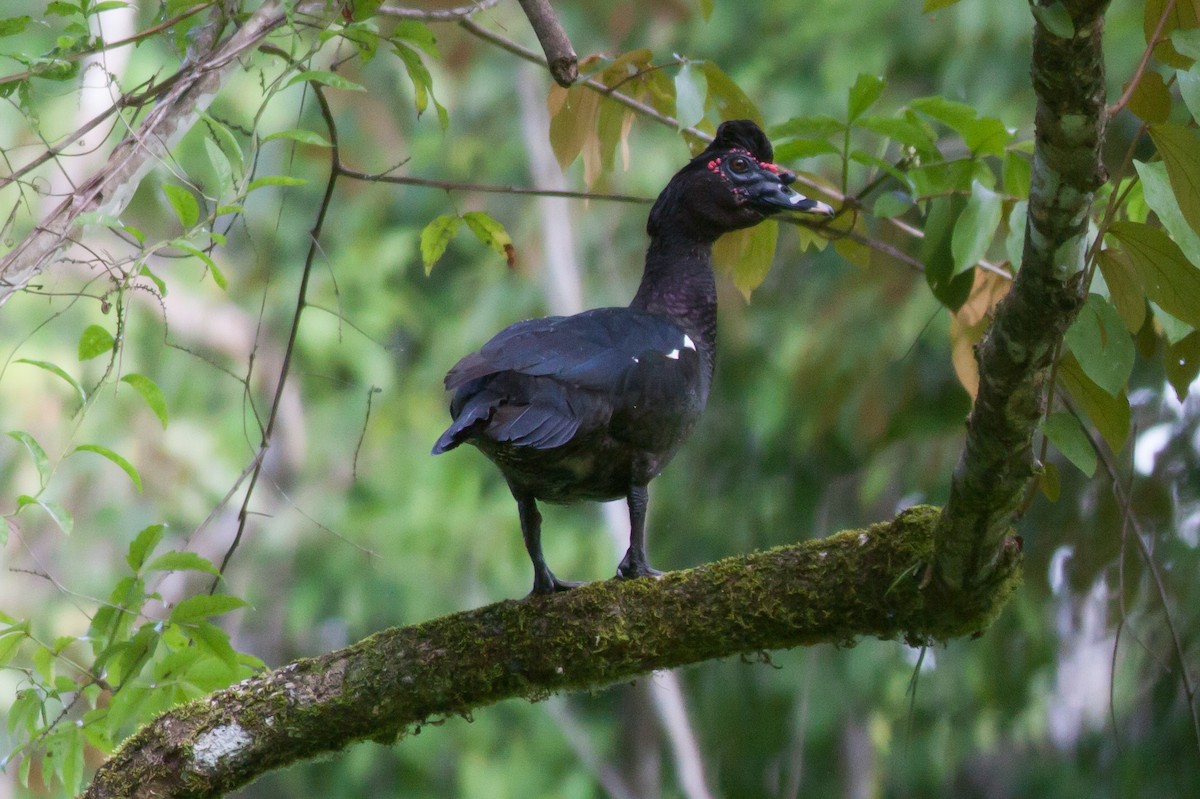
835	405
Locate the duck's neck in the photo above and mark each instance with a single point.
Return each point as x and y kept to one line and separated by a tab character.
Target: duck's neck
678	283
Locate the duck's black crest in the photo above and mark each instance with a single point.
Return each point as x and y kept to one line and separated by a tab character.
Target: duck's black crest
740	134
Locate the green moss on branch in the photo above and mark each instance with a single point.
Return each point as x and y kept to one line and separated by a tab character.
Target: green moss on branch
855	584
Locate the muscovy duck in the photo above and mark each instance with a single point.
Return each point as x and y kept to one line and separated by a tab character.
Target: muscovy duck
593	406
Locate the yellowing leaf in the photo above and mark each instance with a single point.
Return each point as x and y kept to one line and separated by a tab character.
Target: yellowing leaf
573	123
491	233
747	255
436	236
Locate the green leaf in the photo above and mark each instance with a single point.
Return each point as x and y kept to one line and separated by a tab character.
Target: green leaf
491	233
982	135
213	640
817	126
747	254
176	561
184	203
220	164
1014	242
1068	437
150	393
62	9
907	128
40	461
1180	151
57	512
1018	174
58	372
934	5
325	77
226	142
1109	414
436	237
863	94
11	639
949	288
217	275
202	606
1189	89
145	271
1160	196
300	135
732	102
1054	18
691	87
14	25
123	464
795	149
274	180
1102	345
975	228
1124	289
143	544
892	204
1182	363
418	73
107	5
419	34
1167	276
95	341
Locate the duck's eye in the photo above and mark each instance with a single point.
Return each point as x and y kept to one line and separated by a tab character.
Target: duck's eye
739	165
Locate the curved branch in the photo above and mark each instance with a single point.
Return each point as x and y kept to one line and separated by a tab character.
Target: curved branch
560	55
856	583
1015	356
139	152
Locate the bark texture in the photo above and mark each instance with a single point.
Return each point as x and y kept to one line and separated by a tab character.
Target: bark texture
836	590
189	94
1014	357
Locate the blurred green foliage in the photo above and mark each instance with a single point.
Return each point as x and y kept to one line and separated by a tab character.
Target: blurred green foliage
836	403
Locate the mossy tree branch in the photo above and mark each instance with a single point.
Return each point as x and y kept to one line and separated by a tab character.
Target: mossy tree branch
856	583
1015	356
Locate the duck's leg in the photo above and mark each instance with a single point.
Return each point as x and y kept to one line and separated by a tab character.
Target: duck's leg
634	563
544	581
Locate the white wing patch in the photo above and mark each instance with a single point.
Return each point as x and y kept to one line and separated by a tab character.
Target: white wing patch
674	354
687	342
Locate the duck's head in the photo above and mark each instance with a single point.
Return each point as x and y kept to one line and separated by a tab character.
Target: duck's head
733	184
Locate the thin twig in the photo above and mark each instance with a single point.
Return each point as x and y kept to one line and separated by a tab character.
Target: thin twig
301	298
106	46
1123	500
450	185
1151	43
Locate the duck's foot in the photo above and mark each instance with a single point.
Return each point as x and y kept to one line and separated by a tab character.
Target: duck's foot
631	568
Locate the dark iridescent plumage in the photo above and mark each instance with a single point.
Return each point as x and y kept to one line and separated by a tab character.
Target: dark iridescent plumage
593	406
